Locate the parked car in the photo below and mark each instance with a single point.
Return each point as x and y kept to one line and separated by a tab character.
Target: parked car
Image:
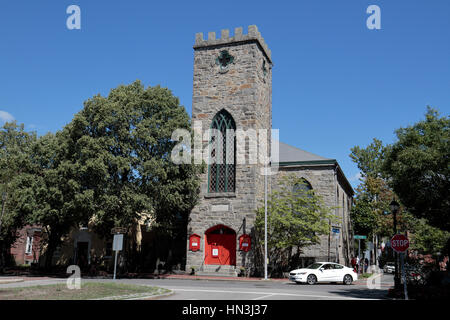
323	272
389	267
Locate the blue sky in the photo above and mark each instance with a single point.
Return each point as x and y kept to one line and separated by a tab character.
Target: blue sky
336	84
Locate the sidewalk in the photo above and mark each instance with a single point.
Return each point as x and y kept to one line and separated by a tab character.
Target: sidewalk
6	280
194	277
11	279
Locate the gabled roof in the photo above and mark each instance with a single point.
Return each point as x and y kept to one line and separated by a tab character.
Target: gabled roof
292	154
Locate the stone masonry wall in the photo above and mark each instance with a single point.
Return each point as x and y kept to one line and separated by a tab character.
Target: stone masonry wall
245	92
323	182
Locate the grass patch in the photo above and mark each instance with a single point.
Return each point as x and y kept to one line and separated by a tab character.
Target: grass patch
89	290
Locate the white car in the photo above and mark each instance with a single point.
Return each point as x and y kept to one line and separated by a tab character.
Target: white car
323	272
389	267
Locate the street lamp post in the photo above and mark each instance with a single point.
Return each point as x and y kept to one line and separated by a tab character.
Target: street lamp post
394	206
265	224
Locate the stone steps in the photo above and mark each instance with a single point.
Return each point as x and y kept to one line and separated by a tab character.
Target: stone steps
222	271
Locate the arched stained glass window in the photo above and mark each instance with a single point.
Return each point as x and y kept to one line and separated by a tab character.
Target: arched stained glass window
222	169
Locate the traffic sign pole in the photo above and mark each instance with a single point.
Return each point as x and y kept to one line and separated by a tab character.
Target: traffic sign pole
115	265
359	237
359	255
402	258
117	246
400	244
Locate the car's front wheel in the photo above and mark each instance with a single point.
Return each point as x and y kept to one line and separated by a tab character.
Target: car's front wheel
311	279
348	279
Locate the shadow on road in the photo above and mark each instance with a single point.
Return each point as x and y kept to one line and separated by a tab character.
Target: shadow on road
362	293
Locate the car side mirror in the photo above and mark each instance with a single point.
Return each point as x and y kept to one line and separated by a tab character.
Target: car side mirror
321	269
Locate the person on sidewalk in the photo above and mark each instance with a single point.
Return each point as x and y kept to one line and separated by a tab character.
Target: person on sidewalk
353	262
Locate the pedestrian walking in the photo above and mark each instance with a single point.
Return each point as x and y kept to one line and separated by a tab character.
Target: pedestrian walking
353	262
366	265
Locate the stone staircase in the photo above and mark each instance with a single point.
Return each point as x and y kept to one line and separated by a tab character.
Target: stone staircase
218	270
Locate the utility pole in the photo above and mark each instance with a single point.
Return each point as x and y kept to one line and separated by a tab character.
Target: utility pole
265	223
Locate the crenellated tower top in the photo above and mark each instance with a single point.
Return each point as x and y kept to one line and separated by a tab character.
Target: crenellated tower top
252	35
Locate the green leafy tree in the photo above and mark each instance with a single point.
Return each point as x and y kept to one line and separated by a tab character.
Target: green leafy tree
363	217
373	195
50	194
425	238
121	146
370	159
369	215
15	144
419	170
297	217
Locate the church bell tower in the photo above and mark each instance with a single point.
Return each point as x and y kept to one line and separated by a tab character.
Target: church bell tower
232	91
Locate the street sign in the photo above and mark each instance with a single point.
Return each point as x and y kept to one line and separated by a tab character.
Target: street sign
336	230
117	242
117	246
400	243
359	237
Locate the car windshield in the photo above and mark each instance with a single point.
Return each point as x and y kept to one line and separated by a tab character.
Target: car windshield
314	266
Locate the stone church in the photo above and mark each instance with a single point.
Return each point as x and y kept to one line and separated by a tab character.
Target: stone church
232	90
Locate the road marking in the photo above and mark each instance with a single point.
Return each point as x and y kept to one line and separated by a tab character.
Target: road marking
266	296
269	293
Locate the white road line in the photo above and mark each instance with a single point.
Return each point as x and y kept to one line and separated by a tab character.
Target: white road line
268	293
266	296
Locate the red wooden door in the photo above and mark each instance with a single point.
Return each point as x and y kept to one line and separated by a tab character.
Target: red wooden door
220	249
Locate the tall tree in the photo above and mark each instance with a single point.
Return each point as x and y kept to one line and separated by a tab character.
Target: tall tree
296	218
121	146
373	195
419	169
15	162
51	194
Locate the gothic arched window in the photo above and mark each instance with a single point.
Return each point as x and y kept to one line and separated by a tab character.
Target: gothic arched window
222	171
303	188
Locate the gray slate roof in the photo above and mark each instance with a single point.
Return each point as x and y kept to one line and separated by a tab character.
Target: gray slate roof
291	154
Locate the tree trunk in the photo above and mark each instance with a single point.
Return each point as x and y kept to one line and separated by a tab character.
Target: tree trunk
53	241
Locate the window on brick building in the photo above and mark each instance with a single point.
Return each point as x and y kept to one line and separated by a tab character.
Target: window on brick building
222	169
29	246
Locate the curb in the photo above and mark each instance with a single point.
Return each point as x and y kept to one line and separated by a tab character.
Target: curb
223	279
127	297
7	281
155	297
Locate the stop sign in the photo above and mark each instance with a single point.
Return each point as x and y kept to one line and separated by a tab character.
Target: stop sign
400	243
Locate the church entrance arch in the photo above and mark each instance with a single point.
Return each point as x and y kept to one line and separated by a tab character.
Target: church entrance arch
220	245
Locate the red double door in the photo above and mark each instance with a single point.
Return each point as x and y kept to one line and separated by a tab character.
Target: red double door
220	249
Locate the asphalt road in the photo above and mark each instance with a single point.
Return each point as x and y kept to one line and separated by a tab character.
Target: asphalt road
248	290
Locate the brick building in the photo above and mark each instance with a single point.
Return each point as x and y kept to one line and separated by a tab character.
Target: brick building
27	247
